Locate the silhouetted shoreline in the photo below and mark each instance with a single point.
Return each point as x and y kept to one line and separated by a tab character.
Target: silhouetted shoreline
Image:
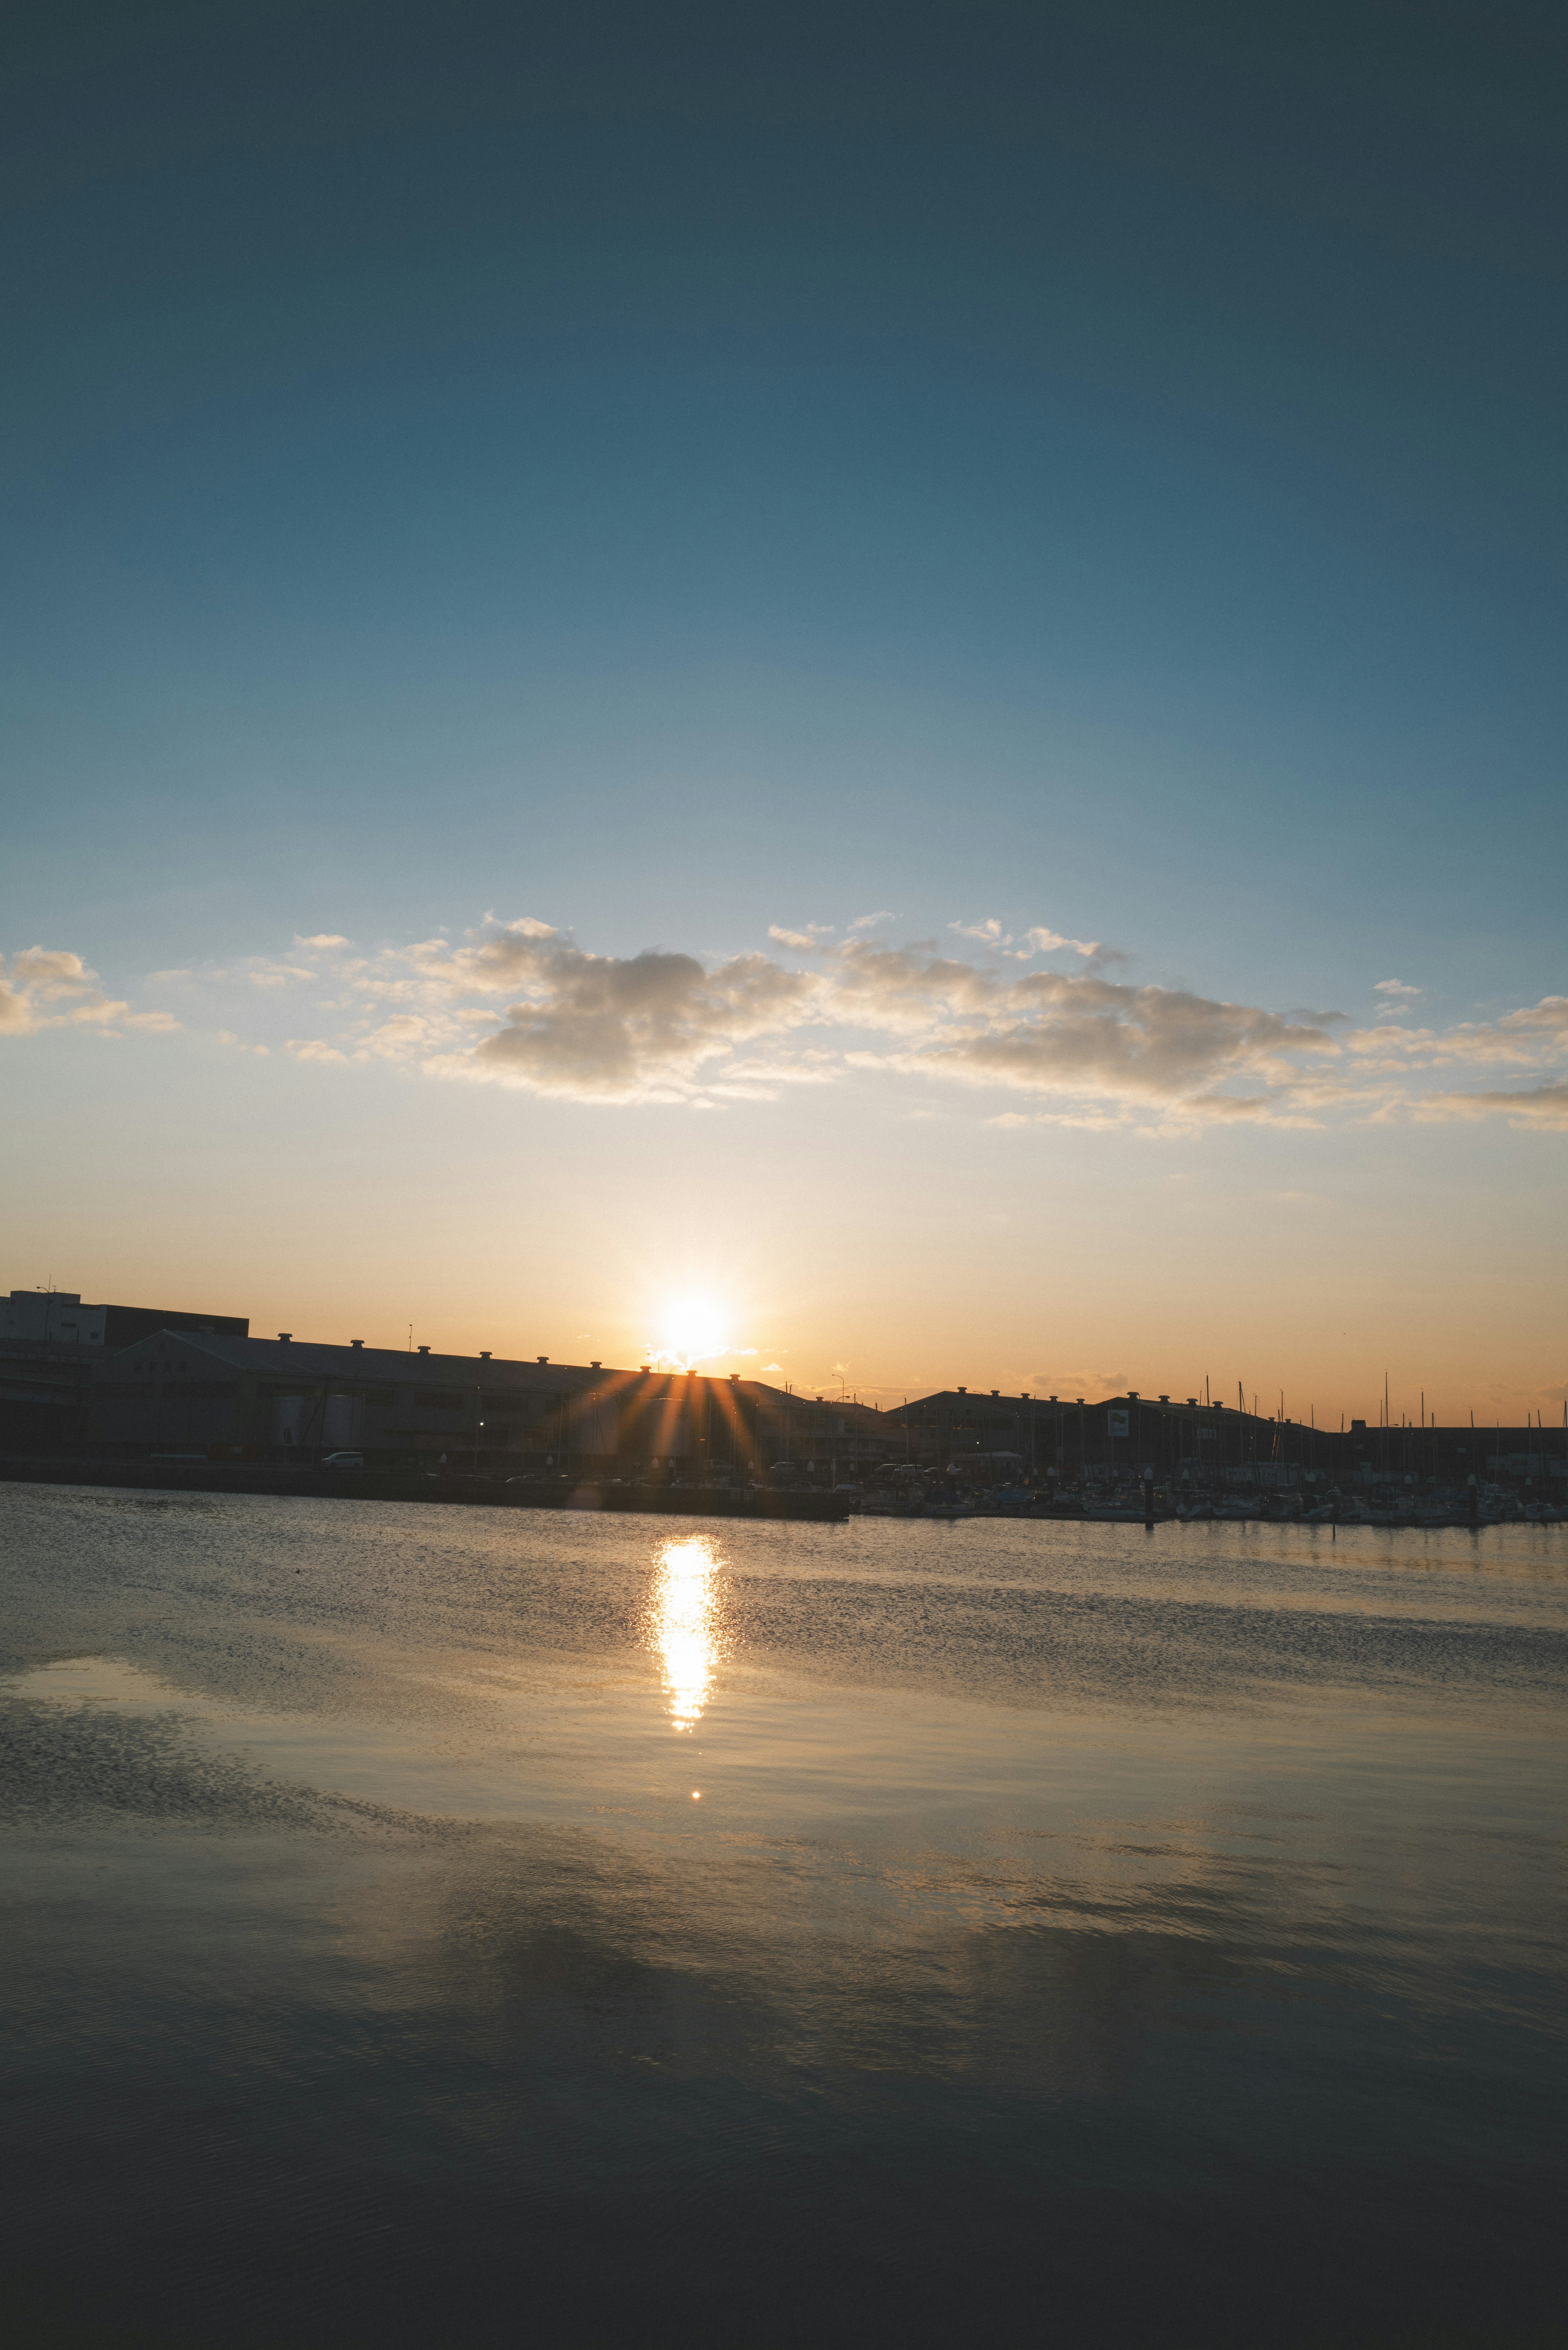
421	1485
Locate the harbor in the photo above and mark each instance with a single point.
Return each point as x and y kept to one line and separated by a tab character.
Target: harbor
194	1402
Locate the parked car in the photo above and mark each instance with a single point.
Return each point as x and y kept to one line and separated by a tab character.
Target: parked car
342	1460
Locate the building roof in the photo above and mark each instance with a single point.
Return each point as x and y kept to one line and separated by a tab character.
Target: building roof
954	1399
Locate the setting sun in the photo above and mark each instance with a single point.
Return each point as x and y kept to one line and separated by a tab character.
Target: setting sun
692	1330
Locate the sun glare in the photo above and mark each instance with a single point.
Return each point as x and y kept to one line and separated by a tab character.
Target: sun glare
692	1330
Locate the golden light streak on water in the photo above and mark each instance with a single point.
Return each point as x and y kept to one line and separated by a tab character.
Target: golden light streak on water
685	1627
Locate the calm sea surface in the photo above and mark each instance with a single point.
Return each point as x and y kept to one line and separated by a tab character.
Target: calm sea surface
445	1925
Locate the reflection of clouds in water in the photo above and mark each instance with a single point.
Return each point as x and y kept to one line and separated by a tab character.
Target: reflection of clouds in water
685	1626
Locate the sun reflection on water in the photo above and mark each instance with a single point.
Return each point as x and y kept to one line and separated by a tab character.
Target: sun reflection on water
685	1627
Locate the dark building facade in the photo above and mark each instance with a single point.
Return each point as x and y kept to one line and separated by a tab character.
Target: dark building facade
995	1436
124	1324
49	1343
282	1398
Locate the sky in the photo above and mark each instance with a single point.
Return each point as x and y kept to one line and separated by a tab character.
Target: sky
877	696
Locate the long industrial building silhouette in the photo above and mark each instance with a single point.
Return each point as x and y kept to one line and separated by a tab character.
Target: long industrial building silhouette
132	1381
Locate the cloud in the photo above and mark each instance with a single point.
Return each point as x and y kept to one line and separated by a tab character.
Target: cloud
868	922
1096	1037
1040	941
405	1033
612	1028
1541	1106
50	988
1093	1052
278	975
1533	1037
1546	1020
1054	1032
321	942
153	1023
907	988
1399	998
521	1004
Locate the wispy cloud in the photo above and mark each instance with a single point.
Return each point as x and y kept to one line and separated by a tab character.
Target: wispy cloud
1537	1106
48	987
1041	941
1023	946
278	975
1397	998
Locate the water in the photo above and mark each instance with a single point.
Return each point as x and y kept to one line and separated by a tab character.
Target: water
436	1925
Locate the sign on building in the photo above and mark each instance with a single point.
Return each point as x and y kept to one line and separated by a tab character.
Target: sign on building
1115	1423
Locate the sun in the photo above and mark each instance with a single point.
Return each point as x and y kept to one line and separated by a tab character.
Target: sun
693	1329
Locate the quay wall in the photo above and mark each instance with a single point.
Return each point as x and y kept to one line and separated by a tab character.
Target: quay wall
404	1485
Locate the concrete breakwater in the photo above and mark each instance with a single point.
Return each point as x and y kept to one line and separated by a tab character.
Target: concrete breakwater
415	1485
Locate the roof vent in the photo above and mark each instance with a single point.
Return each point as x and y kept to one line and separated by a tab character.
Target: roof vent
996	1391
1192	1403
963	1391
645	1367
1053	1398
734	1378
424	1350
1132	1395
284	1337
1165	1399
596	1365
484	1354
355	1342
541	1358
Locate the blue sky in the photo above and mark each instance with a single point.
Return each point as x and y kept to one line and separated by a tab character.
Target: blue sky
673	479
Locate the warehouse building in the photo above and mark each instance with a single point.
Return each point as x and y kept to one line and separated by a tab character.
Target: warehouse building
280	1400
58	1317
49	1343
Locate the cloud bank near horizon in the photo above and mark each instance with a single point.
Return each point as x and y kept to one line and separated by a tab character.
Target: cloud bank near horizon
521	1004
